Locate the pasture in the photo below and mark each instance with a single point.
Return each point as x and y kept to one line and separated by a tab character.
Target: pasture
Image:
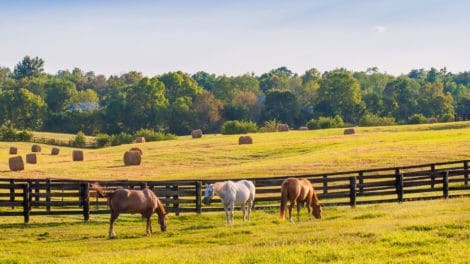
433	231
272	154
436	231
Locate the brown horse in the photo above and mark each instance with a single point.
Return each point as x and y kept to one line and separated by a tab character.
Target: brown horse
143	201
298	191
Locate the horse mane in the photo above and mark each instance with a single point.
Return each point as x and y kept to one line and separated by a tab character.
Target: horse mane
101	191
160	210
315	200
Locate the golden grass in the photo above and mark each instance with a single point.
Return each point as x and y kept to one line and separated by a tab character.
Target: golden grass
282	154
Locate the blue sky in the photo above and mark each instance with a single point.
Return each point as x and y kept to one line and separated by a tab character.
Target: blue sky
236	37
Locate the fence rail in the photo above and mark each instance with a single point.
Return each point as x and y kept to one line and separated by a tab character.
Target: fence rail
28	197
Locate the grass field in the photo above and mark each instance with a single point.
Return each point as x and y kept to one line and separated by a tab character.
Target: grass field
282	154
436	231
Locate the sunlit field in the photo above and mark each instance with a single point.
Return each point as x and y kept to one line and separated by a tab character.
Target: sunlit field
436	231
271	154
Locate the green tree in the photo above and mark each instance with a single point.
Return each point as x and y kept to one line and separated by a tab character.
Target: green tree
281	105
22	108
29	67
400	98
179	84
340	94
275	79
58	94
208	112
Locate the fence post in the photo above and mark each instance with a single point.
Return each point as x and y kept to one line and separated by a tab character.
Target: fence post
325	184
176	201
85	199
143	185
361	182
198	197
12	192
433	175
465	174
352	191
48	195
30	190
445	184
399	186
36	192
26	202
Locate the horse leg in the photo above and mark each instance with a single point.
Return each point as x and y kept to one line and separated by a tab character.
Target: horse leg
114	216
291	205
243	207
232	208
226	213
250	205
149	227
298	211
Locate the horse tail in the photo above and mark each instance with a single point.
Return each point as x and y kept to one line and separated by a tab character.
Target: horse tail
284	189
100	191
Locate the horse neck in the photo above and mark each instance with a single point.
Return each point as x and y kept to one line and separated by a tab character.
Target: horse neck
160	210
219	188
315	200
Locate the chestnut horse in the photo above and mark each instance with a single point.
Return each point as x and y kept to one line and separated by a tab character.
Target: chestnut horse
143	201
298	191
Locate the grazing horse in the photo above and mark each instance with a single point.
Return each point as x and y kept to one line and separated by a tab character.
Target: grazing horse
232	193
143	201
298	191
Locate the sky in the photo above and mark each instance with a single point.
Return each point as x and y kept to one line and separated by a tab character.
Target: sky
236	37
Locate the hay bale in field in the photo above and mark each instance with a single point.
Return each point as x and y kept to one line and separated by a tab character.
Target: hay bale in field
55	151
132	158
303	128
140	140
77	155
283	127
13	150
16	163
138	150
31	158
36	148
242	140
197	133
349	131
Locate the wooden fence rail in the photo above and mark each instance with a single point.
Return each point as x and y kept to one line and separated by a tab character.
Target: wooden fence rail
29	197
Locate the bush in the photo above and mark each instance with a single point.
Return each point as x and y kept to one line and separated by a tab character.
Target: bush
238	127
375	120
446	118
417	119
103	140
24	136
79	140
270	126
151	135
325	122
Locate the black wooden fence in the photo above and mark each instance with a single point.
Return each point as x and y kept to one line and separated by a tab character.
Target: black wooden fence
26	197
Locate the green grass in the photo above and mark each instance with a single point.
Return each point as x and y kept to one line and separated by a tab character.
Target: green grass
282	154
436	231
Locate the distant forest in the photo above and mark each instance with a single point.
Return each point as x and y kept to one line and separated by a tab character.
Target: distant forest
177	102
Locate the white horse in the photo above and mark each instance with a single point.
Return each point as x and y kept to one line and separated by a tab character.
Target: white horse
232	193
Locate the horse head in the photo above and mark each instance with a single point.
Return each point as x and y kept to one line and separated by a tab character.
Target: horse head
162	219
316	210
208	194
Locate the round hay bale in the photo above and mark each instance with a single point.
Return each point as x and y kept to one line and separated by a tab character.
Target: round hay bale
31	158
138	150
196	133
349	131
140	140
55	151
16	163
132	158
245	140
13	150
303	128
77	155
283	127
36	148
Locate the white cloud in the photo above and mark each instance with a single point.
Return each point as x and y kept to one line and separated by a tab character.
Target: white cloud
380	29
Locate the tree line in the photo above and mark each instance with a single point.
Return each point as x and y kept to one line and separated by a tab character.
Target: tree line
177	102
